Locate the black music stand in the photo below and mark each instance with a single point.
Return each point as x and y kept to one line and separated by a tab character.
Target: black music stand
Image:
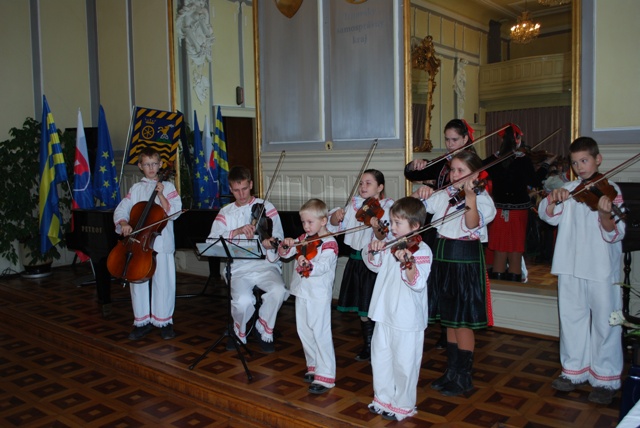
222	248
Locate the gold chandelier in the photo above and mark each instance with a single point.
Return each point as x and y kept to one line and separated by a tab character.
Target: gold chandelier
525	30
554	2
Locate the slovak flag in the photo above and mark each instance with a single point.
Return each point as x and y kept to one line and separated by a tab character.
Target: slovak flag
82	191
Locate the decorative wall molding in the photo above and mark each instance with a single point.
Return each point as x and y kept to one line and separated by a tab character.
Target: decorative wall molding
538	75
328	175
522	308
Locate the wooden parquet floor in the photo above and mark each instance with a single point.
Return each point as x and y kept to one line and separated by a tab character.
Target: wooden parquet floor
63	364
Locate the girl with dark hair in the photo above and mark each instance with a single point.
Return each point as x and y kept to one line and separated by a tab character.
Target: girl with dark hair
358	281
457	134
457	285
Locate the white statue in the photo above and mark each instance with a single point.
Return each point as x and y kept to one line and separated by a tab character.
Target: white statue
459	86
193	27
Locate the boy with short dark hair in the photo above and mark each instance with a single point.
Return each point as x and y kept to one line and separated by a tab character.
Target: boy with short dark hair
587	260
233	222
399	308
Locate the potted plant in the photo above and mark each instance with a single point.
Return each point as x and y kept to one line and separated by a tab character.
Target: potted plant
19	199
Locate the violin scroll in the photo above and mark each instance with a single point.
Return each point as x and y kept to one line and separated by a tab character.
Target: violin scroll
458	196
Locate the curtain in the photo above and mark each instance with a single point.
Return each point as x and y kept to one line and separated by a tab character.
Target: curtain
536	124
419	112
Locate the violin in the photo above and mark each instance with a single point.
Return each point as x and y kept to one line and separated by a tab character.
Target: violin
133	258
263	223
591	190
308	250
412	244
458	196
371	208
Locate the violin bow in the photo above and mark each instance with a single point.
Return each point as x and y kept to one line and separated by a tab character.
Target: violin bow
328	235
497	161
157	222
612	171
364	167
426	227
273	180
449	155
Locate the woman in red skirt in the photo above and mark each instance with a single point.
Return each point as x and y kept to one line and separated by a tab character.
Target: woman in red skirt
510	179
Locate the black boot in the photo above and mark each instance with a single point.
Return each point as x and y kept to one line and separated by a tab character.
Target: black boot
450	373
498	275
462	382
367	332
442	342
513	277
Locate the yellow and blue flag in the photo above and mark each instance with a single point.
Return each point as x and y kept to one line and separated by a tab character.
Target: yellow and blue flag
203	185
157	129
220	162
106	188
52	172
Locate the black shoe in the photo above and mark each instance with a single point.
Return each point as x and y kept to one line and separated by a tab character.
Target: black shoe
389	416
515	277
309	377
316	388
167	332
140	332
498	275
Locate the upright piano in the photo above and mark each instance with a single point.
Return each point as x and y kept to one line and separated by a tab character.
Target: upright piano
94	234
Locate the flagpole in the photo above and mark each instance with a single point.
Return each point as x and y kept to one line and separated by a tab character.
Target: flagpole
126	147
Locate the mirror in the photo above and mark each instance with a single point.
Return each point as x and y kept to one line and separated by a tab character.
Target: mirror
463	88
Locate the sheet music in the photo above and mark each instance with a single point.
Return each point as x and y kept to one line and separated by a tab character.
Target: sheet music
241	249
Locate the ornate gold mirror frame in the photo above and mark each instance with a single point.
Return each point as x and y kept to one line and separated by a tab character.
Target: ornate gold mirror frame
423	57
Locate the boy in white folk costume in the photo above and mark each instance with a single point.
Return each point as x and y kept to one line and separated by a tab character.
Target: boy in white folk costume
157	311
233	222
399	309
313	287
587	260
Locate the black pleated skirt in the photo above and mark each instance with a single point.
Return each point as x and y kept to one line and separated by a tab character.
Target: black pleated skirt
457	285
357	286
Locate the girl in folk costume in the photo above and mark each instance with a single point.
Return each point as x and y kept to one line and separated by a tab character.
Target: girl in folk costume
510	193
357	280
457	286
313	287
457	134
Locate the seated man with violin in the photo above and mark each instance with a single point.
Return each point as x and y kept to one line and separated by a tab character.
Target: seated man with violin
147	201
587	261
245	218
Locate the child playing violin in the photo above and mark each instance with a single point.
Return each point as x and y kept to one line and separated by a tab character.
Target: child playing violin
457	284
399	309
357	280
157	310
587	260
313	285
